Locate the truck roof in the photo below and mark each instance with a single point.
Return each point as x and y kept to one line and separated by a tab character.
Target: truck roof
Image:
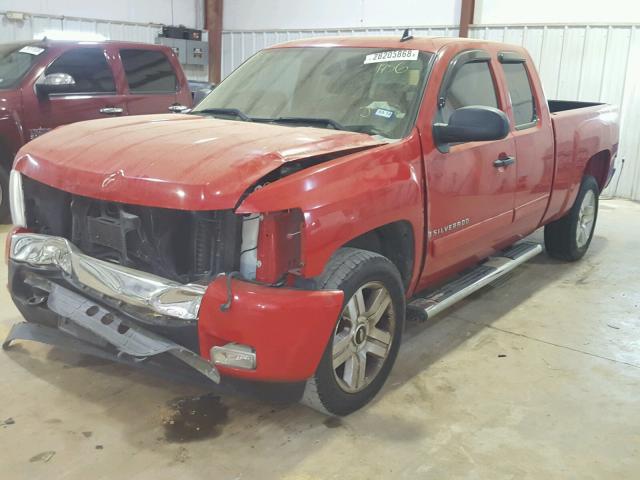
46	42
427	44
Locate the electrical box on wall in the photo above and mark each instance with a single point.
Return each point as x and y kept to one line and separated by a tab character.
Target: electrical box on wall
197	52
189	52
179	47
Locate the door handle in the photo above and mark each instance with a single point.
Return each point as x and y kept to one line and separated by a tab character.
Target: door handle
504	161
177	108
111	110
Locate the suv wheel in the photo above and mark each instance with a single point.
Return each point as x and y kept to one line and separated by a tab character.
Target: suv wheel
569	237
366	336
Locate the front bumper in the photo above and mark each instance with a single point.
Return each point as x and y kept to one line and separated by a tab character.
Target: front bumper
141	317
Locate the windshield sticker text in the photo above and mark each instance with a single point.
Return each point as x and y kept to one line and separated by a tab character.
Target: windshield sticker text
31	50
381	112
391	56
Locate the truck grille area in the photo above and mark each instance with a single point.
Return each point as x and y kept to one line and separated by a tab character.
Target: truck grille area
185	246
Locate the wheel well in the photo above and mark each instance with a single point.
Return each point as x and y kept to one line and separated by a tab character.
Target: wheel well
598	167
394	241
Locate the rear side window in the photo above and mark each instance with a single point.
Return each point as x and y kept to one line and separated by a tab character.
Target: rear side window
524	107
89	69
472	85
148	71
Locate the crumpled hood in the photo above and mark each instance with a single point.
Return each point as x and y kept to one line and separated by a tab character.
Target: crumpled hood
173	161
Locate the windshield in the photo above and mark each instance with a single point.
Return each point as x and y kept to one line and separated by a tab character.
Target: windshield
15	61
368	90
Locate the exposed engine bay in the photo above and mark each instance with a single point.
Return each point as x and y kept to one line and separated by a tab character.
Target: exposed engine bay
188	247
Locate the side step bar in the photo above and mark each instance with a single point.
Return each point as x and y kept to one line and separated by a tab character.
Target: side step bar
436	301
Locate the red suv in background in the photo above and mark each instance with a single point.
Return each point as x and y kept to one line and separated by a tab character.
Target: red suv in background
45	84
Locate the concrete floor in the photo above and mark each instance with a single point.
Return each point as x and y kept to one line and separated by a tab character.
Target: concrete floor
538	377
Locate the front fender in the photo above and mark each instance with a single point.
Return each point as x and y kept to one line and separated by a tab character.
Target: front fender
288	328
347	197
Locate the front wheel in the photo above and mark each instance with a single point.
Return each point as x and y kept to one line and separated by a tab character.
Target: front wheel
569	237
366	337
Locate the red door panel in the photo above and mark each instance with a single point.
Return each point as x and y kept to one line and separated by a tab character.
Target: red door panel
153	85
93	95
470	199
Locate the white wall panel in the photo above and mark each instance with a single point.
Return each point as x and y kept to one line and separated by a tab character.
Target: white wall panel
168	12
598	63
312	14
12	30
505	12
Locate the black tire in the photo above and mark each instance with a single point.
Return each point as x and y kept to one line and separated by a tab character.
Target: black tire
5	212
560	237
349	270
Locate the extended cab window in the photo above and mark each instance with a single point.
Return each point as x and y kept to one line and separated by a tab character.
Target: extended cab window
472	85
89	69
522	101
148	71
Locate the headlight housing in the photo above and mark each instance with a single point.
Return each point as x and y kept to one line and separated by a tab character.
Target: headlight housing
16	200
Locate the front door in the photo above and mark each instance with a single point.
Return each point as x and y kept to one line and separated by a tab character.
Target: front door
470	191
93	94
152	81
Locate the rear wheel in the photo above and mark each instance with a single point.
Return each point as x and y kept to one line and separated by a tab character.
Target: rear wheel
366	336
5	213
569	237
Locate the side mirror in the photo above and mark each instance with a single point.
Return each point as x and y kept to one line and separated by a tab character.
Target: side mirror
55	83
472	124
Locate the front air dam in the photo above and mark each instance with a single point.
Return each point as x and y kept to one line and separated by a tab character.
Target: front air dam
288	328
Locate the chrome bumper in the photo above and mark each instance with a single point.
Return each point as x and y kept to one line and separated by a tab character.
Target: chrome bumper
139	289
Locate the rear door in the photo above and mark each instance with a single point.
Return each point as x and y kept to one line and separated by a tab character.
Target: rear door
471	197
94	94
152	81
533	136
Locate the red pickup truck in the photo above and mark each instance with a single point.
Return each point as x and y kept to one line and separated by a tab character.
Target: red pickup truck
45	84
281	231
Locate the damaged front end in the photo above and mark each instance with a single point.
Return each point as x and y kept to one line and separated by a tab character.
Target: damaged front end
103	305
208	292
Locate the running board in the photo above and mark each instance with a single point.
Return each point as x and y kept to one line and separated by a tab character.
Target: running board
442	298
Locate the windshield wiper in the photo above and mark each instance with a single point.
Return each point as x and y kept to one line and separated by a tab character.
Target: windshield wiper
225	111
309	120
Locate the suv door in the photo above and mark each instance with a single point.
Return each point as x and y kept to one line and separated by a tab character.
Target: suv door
93	95
152	81
470	194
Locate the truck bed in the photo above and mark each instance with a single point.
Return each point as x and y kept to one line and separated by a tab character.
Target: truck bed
556	106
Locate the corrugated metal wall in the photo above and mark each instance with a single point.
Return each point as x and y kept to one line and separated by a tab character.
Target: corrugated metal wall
598	63
237	46
576	62
12	30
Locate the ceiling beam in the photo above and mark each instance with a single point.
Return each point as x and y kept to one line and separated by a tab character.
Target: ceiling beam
213	23
467	10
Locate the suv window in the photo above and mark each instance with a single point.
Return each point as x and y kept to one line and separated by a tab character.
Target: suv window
472	85
88	67
148	71
524	107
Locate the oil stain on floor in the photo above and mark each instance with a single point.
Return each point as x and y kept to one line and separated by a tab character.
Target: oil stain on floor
194	418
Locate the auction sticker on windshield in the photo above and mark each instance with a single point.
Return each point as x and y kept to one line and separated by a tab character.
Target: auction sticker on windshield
391	56
31	50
